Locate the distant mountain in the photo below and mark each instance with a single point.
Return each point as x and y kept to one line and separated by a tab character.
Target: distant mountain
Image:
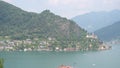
16	24
97	20
110	32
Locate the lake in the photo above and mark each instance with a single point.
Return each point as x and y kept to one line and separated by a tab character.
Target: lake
92	59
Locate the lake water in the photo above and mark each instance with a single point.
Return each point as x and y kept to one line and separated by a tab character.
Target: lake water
92	59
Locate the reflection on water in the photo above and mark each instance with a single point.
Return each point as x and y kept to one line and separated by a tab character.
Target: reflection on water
99	59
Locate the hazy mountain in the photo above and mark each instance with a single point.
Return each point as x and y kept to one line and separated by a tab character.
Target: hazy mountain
110	32
97	20
19	25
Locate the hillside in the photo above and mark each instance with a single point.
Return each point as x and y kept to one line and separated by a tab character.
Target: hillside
41	30
18	23
97	20
110	32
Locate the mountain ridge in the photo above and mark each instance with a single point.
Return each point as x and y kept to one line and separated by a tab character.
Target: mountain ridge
96	20
110	32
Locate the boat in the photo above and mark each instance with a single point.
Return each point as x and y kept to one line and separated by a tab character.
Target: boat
64	66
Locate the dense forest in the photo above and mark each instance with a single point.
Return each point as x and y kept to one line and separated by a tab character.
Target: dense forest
19	24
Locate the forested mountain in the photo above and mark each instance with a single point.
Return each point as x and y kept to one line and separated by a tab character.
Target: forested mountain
16	24
110	32
97	20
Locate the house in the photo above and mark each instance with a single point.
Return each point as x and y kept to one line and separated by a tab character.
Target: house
91	36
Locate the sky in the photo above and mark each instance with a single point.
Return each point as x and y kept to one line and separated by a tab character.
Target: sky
66	8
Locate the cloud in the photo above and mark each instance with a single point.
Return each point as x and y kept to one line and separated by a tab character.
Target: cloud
53	2
7	0
74	7
60	2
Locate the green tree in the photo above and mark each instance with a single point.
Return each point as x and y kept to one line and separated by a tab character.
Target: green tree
1	63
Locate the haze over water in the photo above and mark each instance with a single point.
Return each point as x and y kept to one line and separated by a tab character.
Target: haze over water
93	59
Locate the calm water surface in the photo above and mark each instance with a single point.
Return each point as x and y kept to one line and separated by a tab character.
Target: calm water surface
99	59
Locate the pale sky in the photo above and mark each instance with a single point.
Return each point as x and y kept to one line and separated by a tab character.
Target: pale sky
66	8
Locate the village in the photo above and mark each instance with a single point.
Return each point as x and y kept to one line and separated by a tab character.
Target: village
29	45
49	44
